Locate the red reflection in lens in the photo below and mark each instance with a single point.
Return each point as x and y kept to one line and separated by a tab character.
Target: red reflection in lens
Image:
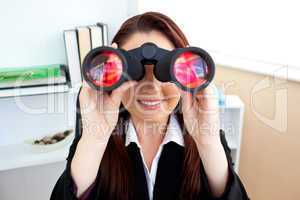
190	70
106	69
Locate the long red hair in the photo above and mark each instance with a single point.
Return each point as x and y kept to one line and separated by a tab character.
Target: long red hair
115	167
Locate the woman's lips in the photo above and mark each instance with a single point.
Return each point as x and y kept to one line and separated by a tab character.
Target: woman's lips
150	104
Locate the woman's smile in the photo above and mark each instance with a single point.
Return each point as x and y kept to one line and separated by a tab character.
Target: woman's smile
150	104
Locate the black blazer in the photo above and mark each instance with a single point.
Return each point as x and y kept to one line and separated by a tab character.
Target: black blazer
168	181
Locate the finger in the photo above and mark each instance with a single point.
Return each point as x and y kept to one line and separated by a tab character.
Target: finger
86	85
187	100
92	91
211	92
84	90
118	93
211	89
209	98
114	45
208	92
93	96
85	98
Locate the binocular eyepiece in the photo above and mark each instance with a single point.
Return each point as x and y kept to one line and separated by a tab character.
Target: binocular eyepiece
106	68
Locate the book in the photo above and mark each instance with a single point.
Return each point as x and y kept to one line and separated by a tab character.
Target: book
32	76
104	32
73	58
78	43
84	41
96	36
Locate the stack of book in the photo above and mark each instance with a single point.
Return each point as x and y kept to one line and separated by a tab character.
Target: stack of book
78	43
33	76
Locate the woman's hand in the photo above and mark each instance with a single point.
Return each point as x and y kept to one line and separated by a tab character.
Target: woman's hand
100	110
201	115
201	119
99	113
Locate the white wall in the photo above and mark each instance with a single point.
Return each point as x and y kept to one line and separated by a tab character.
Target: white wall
31	30
260	36
263	30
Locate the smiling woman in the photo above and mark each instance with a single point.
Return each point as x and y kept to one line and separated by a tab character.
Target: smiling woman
153	100
148	139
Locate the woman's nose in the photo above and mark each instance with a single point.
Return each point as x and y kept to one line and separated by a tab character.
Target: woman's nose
149	75
149	83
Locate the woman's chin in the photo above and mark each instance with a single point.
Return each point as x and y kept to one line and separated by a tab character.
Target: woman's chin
154	115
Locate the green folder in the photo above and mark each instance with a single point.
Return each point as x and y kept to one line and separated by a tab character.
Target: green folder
29	73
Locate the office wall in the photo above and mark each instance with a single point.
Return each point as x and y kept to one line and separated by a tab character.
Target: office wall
31	30
270	151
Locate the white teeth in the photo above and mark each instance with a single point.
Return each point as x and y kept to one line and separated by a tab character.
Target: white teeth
150	103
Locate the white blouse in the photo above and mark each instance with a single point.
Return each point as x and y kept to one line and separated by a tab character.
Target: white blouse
173	133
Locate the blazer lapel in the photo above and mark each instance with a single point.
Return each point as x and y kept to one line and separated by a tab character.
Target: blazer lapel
168	178
140	182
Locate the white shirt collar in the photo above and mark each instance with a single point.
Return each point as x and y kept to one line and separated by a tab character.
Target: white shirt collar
173	133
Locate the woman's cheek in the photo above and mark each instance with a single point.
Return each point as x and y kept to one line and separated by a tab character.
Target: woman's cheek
128	100
171	92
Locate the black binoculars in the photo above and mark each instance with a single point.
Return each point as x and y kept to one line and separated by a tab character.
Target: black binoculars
106	68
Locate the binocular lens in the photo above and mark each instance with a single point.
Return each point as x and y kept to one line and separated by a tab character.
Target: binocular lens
105	69
190	70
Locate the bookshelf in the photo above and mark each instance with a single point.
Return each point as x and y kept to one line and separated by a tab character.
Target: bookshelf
44	110
29	117
33	90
